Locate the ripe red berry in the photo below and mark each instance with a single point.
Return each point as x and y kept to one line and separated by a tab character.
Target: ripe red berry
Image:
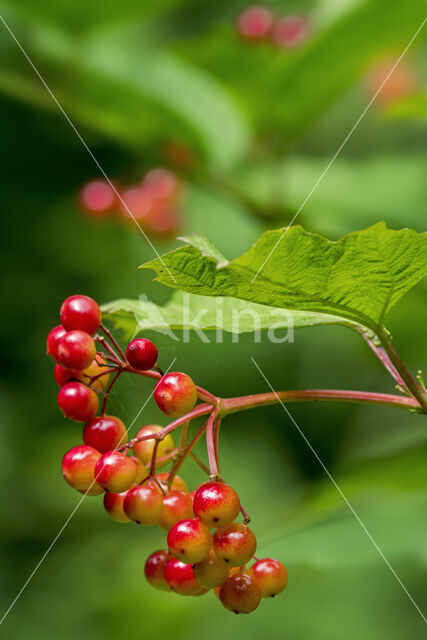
216	504
290	31
235	544
143	505
137	201
115	472
180	578
97	197
160	184
80	312
189	540
255	22
104	433
113	503
76	350
240	593
175	394
53	339
77	401
62	375
78	469
178	484
177	506
163	219
211	572
154	570
141	354
144	449
270	575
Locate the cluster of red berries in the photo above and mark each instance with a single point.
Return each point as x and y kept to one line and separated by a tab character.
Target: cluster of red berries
127	472
197	560
153	202
258	23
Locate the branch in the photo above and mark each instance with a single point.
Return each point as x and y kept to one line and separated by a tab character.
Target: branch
232	405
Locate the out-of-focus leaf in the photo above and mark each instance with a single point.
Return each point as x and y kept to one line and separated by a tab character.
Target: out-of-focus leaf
327	534
191	312
414	106
359	277
124	88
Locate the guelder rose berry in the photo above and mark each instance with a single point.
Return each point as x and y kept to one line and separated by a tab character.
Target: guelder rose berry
216	504
143	504
180	578
141	471
270	575
189	540
240	593
290	31
144	449
63	375
211	572
154	570
78	469
113	503
80	312
255	22
104	433
178	484
160	184
77	401
115	472
53	339
177	506
235	544
76	350
141	354
97	197
175	394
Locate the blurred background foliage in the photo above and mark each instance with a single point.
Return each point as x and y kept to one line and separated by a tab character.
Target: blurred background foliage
259	125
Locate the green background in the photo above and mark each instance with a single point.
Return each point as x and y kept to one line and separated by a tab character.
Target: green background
262	124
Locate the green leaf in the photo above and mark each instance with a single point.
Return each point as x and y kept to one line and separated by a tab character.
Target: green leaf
359	277
185	311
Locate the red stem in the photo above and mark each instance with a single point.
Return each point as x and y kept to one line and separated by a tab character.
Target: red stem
113	341
231	405
210	444
108	391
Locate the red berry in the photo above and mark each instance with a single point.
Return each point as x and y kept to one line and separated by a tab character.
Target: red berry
53	339
255	22
141	354
180	578
270	575
178	484
189	540
137	201
240	593
76	350
160	184
80	312
216	504
113	503
144	449
235	544
175	394
62	375
77	401
78	469
290	31
115	472
177	506
97	197
154	570
163	219
104	433
141	471
211	572
143	505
